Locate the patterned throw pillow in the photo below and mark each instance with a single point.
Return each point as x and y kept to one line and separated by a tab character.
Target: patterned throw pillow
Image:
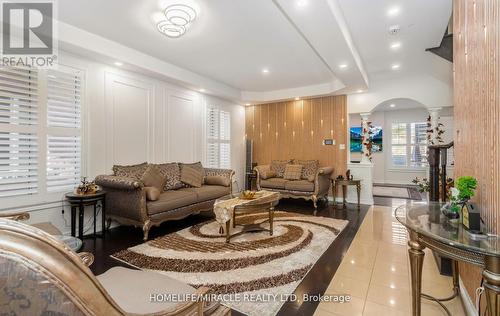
131	171
310	168
192	174
172	174
279	166
153	178
293	172
267	174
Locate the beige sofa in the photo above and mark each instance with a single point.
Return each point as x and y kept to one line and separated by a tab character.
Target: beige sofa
312	187
127	202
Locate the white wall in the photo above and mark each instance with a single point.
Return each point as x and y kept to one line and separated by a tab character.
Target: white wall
131	118
383	171
427	90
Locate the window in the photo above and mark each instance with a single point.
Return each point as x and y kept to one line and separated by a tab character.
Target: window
409	145
219	138
40	127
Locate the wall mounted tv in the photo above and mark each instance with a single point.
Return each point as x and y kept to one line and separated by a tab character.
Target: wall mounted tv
356	139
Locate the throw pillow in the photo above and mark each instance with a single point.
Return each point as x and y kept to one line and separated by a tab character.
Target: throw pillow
192	174
131	171
152	193
217	180
293	172
279	166
309	168
153	178
266	174
171	172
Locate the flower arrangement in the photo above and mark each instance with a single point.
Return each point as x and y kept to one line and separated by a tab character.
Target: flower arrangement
367	140
430	131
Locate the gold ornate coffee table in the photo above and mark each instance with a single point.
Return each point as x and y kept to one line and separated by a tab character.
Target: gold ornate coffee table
228	208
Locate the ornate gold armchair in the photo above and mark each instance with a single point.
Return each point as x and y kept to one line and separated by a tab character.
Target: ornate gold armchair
40	275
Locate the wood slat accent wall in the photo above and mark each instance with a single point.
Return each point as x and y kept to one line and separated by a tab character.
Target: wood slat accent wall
296	130
477	109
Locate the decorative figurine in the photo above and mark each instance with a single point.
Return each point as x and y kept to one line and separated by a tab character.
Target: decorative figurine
86	187
348	174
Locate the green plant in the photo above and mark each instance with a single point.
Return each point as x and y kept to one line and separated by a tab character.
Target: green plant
423	184
466	186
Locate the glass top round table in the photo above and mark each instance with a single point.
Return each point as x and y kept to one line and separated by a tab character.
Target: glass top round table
427	219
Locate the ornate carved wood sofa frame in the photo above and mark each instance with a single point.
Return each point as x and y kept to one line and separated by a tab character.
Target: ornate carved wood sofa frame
313	191
126	200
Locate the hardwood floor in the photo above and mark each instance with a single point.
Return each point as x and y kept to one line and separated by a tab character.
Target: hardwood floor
315	282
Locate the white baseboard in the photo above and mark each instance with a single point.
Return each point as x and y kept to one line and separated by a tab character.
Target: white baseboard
469	305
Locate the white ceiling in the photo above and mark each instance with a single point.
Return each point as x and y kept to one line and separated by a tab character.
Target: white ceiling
233	40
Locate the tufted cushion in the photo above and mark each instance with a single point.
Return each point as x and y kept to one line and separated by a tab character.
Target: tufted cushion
192	174
130	171
300	185
172	174
153	178
279	166
309	168
293	172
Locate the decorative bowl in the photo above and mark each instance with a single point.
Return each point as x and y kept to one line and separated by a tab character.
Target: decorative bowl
248	195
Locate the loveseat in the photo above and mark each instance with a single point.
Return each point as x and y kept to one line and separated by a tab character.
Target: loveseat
295	179
147	195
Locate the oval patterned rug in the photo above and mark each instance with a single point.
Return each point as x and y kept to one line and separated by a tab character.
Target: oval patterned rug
261	268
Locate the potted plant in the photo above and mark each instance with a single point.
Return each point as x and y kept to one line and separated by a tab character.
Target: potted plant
460	195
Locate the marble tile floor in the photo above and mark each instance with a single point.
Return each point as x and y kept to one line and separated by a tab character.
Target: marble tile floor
375	273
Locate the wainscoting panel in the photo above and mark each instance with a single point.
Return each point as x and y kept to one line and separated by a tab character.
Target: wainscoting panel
477	109
181	128
129	106
296	130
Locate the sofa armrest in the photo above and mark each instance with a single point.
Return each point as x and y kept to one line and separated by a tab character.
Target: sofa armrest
119	183
258	170
125	198
325	171
322	181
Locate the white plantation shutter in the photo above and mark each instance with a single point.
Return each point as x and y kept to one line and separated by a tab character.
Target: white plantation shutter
18	164
64	90
18	131
63	162
219	138
63	99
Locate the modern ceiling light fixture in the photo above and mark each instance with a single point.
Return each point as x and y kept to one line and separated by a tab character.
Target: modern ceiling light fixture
178	17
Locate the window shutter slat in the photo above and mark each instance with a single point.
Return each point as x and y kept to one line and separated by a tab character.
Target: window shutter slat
63	162
18	164
64	96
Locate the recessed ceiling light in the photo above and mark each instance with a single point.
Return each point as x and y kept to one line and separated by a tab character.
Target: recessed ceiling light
359	91
396	66
265	71
343	66
247	104
396	45
202	90
297	99
393	11
302	3
117	63
392	105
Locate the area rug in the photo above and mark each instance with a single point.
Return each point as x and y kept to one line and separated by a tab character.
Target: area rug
403	192
256	272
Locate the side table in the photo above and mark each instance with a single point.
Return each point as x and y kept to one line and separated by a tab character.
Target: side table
79	201
345	183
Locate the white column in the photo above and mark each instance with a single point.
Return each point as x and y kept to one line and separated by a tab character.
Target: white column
434	114
365	135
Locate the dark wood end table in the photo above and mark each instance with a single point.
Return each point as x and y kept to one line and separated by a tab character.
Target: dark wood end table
345	183
79	201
